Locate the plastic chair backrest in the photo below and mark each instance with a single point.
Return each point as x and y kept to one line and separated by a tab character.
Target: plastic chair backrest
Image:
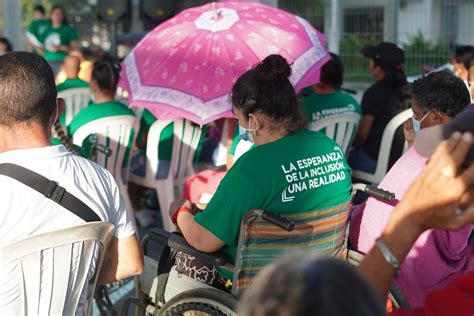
341	128
76	99
53	269
260	243
186	138
385	149
117	133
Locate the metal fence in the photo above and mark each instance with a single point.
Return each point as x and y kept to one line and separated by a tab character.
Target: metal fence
427	30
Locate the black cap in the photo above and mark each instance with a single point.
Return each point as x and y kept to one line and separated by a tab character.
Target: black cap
385	54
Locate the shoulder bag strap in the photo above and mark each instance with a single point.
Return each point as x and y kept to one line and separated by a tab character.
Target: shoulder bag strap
50	189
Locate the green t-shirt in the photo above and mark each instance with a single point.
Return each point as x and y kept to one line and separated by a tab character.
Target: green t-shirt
72	84
317	106
62	35
37	29
301	172
93	112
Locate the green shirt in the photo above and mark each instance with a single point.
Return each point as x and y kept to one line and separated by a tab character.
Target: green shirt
317	106
301	172
38	27
62	35
72	84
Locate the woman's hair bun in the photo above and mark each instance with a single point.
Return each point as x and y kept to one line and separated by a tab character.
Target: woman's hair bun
273	68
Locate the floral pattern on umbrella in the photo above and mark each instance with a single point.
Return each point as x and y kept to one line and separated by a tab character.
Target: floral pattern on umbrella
187	65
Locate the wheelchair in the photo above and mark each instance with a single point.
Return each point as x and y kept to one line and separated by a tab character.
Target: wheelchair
264	237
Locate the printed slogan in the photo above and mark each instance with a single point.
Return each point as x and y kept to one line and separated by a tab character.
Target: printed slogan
313	172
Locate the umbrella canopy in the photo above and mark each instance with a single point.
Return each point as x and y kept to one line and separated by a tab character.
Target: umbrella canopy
187	65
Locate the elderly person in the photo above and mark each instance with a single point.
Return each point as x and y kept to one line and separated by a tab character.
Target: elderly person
275	175
436	99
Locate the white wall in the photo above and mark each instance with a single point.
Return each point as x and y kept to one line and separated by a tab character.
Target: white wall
13	29
419	16
465	30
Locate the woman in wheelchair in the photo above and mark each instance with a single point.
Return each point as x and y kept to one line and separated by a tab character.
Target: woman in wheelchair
291	171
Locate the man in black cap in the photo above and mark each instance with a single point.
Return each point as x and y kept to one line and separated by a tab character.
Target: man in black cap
380	103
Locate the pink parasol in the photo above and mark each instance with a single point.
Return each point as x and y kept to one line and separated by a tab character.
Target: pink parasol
187	65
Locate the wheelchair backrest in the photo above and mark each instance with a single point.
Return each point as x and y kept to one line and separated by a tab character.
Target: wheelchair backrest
260	243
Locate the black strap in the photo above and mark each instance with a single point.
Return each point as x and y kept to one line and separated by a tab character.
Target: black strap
50	189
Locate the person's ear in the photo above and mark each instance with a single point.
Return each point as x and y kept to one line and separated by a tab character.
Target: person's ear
93	86
257	121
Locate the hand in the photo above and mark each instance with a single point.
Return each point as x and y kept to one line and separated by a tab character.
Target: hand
175	207
409	132
443	195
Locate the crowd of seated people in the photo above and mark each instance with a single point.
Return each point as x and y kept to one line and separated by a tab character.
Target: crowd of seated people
272	120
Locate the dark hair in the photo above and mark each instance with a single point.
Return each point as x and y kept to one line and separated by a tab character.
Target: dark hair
332	72
266	89
464	55
7	43
27	89
395	74
60	7
39	8
310	286
106	74
441	91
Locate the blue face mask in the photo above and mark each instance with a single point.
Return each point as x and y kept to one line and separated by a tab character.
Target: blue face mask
417	124
245	132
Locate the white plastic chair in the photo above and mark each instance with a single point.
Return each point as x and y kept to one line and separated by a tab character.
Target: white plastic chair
385	149
341	128
186	139
118	134
76	99
55	268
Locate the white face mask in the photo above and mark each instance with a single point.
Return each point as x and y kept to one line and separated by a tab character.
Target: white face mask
417	124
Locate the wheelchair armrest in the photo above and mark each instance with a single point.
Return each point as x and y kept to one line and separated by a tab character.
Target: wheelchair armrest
177	242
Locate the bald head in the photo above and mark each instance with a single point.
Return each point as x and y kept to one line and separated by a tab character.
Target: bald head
71	65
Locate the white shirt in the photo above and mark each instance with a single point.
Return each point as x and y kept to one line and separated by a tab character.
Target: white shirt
25	212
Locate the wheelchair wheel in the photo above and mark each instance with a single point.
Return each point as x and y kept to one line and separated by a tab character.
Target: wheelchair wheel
200	302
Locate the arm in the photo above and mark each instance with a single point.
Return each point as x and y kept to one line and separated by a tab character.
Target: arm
123	259
196	235
364	130
432	201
